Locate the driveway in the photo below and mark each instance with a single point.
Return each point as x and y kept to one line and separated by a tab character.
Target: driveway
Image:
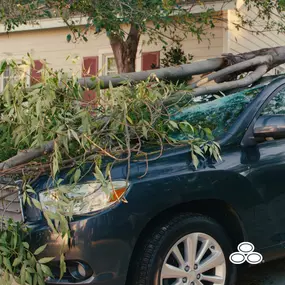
272	273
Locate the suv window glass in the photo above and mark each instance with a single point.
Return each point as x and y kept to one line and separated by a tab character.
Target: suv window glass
218	114
276	105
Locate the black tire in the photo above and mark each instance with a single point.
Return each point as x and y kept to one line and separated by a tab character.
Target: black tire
149	261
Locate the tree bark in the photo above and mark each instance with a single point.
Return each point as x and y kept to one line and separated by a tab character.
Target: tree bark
185	71
182	72
27	156
125	52
183	96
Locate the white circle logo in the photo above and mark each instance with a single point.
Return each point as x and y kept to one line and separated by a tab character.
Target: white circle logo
246	253
246	247
237	258
254	258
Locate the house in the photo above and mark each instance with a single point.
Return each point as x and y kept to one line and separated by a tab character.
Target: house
47	41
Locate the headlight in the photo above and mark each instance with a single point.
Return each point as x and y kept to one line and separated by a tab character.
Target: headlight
88	197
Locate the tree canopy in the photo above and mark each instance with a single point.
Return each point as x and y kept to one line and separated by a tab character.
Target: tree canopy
126	21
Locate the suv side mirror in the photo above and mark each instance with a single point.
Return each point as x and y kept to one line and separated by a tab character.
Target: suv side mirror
270	126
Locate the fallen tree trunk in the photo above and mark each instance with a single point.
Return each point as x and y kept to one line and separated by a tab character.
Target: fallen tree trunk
182	72
228	65
222	71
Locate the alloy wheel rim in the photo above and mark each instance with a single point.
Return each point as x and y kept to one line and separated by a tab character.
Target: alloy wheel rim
195	259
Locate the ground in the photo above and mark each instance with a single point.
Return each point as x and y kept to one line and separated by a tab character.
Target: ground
272	273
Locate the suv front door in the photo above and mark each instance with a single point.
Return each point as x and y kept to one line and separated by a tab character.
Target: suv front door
267	175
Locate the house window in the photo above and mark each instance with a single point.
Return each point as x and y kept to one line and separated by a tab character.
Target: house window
6	77
110	66
150	60
11	76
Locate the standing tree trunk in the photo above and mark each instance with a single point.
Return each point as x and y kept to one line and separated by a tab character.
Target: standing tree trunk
125	51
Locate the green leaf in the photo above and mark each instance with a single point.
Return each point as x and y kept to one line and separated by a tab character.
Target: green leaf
3	66
46	260
174	124
50	223
209	133
38	108
130	120
17	261
99	175
144	130
48	13
26	245
74	134
15	239
195	160
28	278
23	275
31	269
37	204
30	190
35	279
7	264
77	175
46	270
39	271
40	249
4	249
68	38
62	266
7	96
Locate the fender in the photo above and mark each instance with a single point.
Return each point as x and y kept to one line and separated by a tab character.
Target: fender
172	181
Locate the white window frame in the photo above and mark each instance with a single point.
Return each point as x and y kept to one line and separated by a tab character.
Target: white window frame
109	52
105	64
27	77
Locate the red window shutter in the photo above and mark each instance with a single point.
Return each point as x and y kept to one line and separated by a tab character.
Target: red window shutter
90	66
150	60
89	95
35	74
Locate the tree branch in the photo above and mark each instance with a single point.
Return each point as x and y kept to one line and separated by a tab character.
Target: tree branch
249	79
27	155
188	95
242	66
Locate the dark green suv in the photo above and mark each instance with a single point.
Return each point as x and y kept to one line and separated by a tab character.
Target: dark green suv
182	224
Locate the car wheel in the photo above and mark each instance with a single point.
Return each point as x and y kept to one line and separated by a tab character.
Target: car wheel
186	250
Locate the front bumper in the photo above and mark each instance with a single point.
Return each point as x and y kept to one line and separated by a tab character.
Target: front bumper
103	241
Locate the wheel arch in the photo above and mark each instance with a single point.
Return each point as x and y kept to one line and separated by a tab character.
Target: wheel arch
219	210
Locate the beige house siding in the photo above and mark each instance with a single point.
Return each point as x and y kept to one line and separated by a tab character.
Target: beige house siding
240	41
51	45
209	46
